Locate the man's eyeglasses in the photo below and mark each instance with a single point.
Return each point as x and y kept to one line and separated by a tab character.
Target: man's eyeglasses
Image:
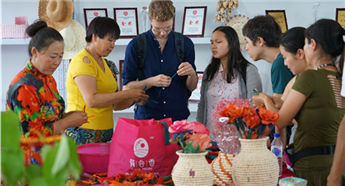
160	30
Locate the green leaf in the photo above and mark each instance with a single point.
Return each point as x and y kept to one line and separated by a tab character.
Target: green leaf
38	181
45	149
33	172
10	131
250	133
12	166
189	148
60	177
197	149
74	165
62	156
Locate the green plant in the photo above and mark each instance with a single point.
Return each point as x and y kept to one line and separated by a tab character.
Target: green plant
59	160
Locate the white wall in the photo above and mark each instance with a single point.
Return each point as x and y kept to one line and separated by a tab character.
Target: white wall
299	13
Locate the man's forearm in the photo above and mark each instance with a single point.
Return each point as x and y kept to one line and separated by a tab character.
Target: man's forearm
138	84
338	165
192	82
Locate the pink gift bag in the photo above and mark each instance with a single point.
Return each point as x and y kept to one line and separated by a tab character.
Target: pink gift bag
144	145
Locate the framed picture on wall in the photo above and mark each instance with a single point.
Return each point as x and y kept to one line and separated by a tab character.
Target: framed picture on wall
340	16
194	19
195	97
121	70
91	13
280	17
127	18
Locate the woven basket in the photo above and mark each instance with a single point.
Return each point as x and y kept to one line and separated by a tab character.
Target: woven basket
192	169
221	167
255	164
292	182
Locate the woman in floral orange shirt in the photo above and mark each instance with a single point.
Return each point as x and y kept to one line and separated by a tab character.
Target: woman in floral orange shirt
33	94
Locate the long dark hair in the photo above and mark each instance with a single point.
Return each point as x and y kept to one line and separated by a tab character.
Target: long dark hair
329	34
236	61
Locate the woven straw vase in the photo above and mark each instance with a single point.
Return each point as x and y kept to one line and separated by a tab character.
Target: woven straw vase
255	164
192	169
221	167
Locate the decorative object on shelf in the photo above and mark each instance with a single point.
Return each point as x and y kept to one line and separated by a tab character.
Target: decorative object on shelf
315	11
56	13
195	97
221	167
15	31
127	18
225	7
280	17
237	22
91	13
145	19
293	181
255	164
192	169
74	39
340	16
194	19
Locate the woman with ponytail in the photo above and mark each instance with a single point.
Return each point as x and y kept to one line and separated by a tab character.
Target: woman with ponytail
33	93
315	103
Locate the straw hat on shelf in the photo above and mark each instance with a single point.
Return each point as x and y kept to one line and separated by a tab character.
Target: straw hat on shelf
56	13
74	39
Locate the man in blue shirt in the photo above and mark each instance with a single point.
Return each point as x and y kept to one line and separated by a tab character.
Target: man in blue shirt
161	63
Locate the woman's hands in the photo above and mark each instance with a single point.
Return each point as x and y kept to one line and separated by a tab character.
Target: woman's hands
138	95
259	100
70	119
75	118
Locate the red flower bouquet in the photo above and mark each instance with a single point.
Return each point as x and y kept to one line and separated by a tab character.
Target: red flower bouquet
251	123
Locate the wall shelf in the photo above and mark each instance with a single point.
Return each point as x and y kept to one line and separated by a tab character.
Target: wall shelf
119	42
20	41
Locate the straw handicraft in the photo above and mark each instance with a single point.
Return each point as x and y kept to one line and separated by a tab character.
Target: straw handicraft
255	164
292	182
192	169
221	167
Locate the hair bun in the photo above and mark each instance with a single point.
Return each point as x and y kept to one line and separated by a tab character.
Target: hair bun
36	27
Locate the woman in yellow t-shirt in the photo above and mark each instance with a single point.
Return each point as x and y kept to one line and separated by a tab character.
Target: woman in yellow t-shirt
92	87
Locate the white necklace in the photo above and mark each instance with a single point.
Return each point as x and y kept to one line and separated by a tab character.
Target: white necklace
324	65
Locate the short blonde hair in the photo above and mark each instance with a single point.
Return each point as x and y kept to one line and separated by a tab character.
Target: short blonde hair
161	10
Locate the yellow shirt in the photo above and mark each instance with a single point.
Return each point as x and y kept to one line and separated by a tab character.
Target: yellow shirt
106	83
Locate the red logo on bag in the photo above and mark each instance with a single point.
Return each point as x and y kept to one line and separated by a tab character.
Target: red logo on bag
95	13
141	148
125	13
194	12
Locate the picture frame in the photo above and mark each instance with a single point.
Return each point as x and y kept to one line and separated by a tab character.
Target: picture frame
91	13
121	63
127	18
194	20
195	97
340	16
280	17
